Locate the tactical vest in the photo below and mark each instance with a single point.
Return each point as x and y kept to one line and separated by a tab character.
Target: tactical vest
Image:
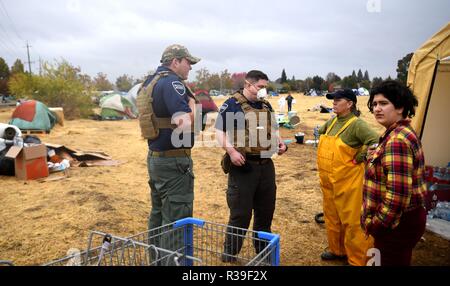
247	108
151	124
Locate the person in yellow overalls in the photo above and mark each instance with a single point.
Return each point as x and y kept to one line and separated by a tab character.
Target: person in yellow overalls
340	156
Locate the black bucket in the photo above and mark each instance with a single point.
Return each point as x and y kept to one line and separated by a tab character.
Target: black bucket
300	137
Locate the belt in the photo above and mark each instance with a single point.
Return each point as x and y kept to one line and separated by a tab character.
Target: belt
171	153
256	159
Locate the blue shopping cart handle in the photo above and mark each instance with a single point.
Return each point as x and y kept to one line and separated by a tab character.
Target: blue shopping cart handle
273	238
188	221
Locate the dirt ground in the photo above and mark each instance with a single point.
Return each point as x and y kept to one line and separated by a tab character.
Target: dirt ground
41	221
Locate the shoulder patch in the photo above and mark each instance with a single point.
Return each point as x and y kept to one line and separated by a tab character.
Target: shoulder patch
223	107
179	87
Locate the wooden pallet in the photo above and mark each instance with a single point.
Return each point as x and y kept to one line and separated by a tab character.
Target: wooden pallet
31	132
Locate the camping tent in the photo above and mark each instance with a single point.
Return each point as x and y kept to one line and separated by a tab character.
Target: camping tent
33	115
363	91
429	80
312	92
132	93
116	107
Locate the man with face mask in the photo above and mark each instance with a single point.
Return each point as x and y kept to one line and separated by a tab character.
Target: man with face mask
247	130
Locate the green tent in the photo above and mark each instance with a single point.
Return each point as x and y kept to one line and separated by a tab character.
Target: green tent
33	115
116	107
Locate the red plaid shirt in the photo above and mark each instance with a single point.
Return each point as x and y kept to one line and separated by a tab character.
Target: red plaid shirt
394	181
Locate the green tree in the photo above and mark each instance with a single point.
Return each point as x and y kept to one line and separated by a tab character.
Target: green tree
349	82
270	86
332	78
87	81
317	82
366	76
402	68
286	86
202	76
4	76
365	84
213	82
124	83
17	67
283	77
308	84
354	77
376	81
225	80
294	85
60	85
360	76
301	85
4	69
101	82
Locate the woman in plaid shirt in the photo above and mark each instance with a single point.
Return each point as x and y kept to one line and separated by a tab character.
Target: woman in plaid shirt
394	184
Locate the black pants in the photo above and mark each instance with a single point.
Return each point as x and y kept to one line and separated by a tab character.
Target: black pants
251	189
289	106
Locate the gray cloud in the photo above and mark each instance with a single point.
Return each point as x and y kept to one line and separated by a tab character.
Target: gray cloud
304	37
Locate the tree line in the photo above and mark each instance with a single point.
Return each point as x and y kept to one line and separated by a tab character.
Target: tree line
62	84
100	82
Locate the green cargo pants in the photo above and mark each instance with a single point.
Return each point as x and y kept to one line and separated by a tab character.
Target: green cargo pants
172	189
172	194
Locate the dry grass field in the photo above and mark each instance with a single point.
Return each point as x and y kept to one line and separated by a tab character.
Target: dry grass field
40	221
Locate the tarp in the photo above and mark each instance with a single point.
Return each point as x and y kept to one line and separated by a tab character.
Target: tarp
429	80
33	115
116	106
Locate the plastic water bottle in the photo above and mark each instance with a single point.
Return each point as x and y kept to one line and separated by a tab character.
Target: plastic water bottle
316	135
442	211
446	177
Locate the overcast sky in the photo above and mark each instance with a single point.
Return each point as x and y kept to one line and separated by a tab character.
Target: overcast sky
305	37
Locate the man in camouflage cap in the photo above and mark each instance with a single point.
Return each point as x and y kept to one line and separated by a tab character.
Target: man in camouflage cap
178	52
169	162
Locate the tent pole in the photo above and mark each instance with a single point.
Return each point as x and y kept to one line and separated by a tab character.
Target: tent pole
429	99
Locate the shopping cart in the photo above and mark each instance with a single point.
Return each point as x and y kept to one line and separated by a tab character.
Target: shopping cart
198	242
106	250
186	242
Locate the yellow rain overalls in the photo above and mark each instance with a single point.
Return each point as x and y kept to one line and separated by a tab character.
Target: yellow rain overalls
341	182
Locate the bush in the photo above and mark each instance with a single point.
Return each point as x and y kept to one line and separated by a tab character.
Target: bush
60	85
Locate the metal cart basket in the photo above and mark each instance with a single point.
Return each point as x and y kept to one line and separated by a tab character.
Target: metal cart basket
186	242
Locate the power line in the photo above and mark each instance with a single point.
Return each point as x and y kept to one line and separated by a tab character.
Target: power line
5	32
12	23
6	49
9	44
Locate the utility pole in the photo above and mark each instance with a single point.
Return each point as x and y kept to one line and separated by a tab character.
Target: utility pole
29	62
40	66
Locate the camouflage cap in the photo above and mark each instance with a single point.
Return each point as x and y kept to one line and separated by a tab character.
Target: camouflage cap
178	52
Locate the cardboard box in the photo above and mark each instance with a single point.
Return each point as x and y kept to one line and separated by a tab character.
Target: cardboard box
30	163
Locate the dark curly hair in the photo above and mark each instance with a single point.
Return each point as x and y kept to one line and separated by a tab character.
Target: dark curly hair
397	93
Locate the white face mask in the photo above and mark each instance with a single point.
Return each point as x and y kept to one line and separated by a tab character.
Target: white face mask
262	93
